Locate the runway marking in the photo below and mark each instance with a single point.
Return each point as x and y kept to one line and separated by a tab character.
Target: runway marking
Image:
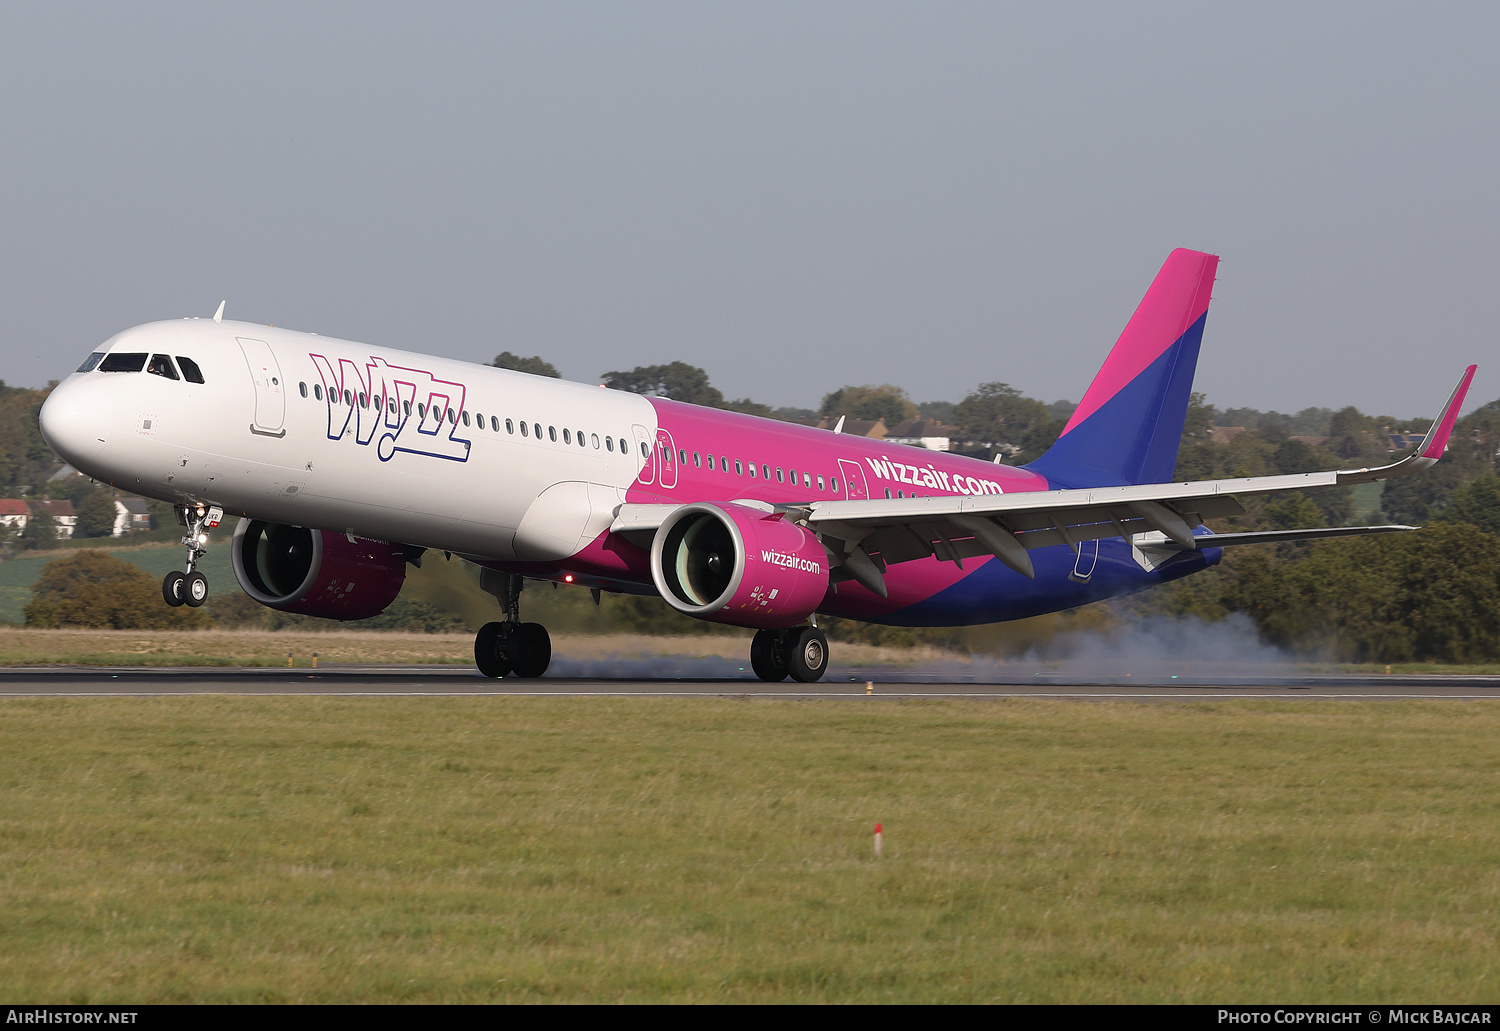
1102	695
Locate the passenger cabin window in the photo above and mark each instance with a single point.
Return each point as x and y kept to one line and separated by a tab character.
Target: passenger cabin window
123	361
523	429
91	362
302	389
318	391
567	435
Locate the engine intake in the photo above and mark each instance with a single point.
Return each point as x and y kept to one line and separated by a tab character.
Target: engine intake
315	572
732	564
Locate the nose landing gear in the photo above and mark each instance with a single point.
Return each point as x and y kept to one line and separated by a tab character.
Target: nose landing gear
510	648
191	587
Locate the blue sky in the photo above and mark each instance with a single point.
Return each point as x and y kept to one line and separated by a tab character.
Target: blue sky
793	196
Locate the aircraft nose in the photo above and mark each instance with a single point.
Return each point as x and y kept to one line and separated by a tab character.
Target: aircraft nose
76	419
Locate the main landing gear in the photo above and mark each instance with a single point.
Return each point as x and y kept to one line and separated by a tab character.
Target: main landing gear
510	648
191	587
800	652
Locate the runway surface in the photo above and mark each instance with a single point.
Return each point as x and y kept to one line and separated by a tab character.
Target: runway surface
847	683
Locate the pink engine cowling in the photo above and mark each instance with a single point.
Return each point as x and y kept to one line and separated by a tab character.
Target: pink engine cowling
315	572
732	564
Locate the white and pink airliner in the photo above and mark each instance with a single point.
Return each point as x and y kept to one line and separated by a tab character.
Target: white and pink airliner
345	462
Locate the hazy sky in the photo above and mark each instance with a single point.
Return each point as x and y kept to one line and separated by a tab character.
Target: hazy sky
793	196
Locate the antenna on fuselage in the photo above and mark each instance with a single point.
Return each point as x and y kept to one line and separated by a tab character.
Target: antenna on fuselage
219	315
838	427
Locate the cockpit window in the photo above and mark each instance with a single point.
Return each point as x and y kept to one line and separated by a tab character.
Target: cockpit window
190	370
123	361
91	362
161	365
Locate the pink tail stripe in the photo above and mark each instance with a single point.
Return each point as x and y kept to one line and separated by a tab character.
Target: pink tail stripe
1178	297
1437	437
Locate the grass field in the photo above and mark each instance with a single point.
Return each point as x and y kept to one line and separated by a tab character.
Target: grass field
459	849
20	647
19	573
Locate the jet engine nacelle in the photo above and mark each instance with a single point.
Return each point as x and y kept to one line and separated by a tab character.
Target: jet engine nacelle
314	572
733	564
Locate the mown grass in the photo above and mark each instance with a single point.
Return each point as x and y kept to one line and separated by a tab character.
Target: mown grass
504	849
30	647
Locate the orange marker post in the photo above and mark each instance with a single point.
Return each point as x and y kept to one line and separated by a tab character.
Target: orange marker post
877	841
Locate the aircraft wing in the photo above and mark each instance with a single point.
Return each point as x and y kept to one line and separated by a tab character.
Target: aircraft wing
867	536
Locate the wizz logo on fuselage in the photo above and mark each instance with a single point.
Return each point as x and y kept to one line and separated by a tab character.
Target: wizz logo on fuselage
410	410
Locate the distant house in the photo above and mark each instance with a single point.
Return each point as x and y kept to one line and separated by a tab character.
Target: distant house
928	433
63	516
13	513
1224	434
131	515
1311	441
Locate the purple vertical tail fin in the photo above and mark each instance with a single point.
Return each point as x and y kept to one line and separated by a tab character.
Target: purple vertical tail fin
1129	423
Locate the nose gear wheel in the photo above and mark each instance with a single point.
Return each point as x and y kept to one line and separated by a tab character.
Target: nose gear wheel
191	587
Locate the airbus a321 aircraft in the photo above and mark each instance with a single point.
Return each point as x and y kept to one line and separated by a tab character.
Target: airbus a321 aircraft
345	462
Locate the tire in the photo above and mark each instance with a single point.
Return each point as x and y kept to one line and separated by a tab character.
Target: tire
808	655
171	588
531	650
490	655
768	656
195	589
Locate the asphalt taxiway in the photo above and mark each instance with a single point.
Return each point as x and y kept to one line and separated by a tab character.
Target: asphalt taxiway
846	683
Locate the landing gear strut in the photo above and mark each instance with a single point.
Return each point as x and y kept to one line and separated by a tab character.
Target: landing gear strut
510	648
191	587
800	652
